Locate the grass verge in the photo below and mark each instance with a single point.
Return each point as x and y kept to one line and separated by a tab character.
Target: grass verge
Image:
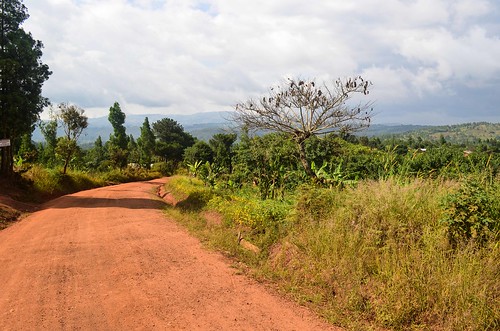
40	184
370	257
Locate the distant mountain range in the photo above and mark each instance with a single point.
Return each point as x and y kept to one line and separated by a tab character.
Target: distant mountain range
201	125
204	125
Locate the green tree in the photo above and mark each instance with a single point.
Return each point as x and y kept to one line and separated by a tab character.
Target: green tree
118	140
27	150
268	161
221	144
73	122
146	143
199	152
22	76
97	155
172	140
48	151
301	109
133	151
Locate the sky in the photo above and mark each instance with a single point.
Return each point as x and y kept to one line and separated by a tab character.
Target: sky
430	61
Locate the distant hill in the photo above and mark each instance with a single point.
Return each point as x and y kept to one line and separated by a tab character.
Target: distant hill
456	134
201	125
377	130
204	125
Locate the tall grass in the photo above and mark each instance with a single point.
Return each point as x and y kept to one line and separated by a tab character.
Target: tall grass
376	255
49	183
381	254
46	183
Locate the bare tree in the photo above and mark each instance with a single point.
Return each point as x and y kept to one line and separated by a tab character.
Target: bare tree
301	109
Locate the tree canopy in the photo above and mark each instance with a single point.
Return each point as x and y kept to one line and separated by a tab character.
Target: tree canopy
117	119
22	76
172	140
73	122
146	143
118	140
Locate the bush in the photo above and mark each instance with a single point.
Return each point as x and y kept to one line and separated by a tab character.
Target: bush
473	212
190	192
165	168
249	212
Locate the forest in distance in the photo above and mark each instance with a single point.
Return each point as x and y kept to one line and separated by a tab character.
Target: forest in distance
204	125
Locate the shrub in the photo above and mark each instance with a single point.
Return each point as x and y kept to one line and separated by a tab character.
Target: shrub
250	212
473	212
165	168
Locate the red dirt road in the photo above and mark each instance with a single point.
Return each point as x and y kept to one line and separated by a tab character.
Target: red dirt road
108	259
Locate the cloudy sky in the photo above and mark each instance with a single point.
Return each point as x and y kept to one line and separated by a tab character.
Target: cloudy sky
430	61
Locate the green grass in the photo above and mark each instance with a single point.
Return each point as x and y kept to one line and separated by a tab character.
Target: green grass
41	184
369	257
49	183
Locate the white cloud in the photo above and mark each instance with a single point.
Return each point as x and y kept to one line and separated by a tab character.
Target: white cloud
180	56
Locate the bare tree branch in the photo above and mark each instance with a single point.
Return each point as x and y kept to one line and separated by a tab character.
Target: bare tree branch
302	109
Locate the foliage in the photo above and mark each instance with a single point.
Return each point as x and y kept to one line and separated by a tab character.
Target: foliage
66	149
134	154
221	144
115	176
367	257
96	156
49	183
23	75
118	140
261	221
379	252
334	178
190	193
208	172
466	133
164	168
301	109
172	140
44	184
117	119
73	122
47	151
199	152
473	212
268	162
27	149
146	143
194	168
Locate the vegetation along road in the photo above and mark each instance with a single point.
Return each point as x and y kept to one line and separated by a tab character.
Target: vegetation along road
108	259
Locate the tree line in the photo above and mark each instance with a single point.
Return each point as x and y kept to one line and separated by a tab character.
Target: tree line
162	142
308	131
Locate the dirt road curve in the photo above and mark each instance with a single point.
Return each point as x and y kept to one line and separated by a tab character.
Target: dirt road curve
108	259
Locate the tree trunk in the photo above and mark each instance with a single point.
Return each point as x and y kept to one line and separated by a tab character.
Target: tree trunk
66	162
6	165
303	157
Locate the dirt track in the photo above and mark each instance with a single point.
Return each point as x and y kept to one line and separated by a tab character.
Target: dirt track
108	259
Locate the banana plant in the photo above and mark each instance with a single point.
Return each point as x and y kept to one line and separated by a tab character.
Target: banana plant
336	178
194	168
